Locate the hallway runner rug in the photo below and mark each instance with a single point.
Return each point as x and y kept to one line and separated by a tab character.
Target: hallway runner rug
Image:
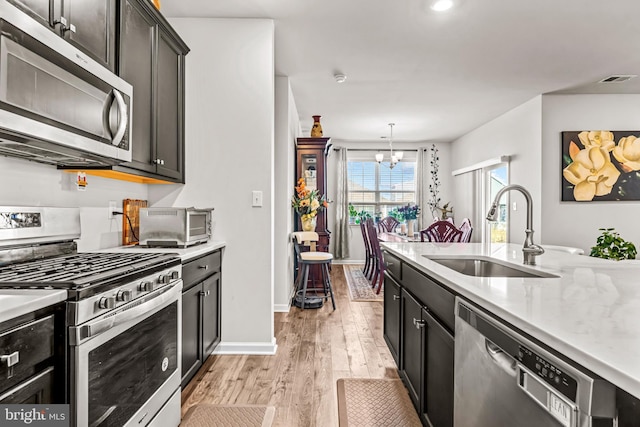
359	286
371	402
205	415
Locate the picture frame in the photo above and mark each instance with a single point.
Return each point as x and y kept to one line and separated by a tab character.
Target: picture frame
600	166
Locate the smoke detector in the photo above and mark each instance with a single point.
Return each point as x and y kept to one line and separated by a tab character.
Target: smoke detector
340	78
618	78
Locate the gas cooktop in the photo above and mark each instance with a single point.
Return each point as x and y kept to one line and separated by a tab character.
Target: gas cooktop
81	270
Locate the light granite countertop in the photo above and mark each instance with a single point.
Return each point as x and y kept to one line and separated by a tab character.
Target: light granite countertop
185	254
17	302
590	313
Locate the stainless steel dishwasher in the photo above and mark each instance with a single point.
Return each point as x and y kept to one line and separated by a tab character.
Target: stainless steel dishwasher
504	379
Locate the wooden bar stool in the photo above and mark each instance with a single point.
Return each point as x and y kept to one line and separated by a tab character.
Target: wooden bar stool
305	260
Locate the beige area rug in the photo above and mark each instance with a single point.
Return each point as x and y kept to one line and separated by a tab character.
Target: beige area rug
375	403
359	286
205	415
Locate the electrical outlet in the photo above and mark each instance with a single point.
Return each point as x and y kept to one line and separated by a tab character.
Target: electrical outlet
112	208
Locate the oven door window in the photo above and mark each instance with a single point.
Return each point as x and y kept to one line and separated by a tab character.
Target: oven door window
125	371
197	225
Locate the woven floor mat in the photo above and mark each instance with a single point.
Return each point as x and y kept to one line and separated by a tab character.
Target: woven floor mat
205	415
359	286
375	403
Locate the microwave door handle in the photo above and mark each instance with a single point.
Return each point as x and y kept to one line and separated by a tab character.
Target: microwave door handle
123	117
115	112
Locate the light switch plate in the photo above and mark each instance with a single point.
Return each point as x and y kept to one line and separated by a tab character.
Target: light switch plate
256	197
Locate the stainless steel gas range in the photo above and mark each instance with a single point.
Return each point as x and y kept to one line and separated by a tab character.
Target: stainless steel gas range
123	317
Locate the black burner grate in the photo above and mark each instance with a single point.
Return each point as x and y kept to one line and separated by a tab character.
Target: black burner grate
78	270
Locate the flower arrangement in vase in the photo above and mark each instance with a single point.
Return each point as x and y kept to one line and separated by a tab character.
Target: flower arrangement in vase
410	213
307	204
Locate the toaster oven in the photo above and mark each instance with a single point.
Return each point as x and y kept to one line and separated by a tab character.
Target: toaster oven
175	227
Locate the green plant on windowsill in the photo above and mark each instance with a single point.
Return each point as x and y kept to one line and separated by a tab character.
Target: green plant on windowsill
610	245
358	217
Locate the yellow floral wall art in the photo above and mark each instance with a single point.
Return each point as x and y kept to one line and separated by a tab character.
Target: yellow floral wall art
600	165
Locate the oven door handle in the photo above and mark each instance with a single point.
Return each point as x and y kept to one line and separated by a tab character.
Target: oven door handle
139	308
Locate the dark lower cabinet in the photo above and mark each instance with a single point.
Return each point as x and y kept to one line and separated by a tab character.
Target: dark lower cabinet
191	331
411	346
418	335
210	314
200	312
437	373
391	327
32	369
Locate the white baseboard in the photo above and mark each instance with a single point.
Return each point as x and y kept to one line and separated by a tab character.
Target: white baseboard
262	348
281	308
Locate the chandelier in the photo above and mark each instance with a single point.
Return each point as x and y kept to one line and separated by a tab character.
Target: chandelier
394	158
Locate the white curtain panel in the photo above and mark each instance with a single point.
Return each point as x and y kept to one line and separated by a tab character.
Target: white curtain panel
342	208
422	174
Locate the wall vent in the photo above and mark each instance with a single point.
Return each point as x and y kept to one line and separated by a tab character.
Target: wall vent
618	78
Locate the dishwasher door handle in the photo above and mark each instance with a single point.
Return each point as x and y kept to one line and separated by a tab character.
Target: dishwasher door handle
500	358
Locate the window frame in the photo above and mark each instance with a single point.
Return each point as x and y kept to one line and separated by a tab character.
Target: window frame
378	192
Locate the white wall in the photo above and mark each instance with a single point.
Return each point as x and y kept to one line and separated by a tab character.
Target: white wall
576	223
287	128
356	244
230	153
26	183
516	133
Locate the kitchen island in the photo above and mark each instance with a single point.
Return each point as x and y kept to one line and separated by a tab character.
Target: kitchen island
590	313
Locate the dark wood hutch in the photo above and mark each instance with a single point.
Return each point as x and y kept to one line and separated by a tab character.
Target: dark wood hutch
311	164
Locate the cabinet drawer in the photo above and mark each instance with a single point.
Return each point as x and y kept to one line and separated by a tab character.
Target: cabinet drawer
438	300
200	268
392	265
34	343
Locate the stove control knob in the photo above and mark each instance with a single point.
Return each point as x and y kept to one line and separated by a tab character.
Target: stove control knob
123	295
166	278
146	286
107	302
173	275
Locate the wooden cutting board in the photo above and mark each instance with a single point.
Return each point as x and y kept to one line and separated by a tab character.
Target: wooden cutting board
131	221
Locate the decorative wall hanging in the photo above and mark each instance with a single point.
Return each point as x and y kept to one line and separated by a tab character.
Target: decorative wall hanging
600	165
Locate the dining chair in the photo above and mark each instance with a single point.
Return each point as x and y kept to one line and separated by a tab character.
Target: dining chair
441	231
466	229
369	256
378	262
388	224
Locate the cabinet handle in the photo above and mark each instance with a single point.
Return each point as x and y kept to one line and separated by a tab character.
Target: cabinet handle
10	360
204	267
397	297
205	293
419	323
158	162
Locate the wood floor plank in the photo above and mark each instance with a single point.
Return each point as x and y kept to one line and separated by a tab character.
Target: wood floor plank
316	347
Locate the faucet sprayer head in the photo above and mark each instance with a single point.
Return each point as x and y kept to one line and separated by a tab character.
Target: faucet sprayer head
491	216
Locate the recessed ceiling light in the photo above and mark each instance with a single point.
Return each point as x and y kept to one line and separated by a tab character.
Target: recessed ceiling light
442	5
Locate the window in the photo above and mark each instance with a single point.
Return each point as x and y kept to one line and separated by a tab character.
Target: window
377	189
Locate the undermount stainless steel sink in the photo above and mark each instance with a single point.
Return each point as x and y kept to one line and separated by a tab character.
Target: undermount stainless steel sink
479	266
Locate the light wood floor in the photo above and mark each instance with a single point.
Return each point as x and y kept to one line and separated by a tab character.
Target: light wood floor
315	349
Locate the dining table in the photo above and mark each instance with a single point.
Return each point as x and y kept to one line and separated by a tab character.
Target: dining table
398	237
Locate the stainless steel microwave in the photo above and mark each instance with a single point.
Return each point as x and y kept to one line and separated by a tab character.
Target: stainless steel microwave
175	227
57	105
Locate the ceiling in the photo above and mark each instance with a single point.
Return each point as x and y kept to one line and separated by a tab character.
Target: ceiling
435	75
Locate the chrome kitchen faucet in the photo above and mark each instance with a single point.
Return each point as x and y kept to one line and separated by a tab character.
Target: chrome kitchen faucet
529	249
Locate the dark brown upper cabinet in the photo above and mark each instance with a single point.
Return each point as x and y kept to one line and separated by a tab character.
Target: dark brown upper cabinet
90	25
152	60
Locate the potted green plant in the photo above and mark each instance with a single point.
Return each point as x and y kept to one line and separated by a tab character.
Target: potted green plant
611	245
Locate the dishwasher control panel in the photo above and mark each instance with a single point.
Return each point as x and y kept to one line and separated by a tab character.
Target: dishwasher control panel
548	372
